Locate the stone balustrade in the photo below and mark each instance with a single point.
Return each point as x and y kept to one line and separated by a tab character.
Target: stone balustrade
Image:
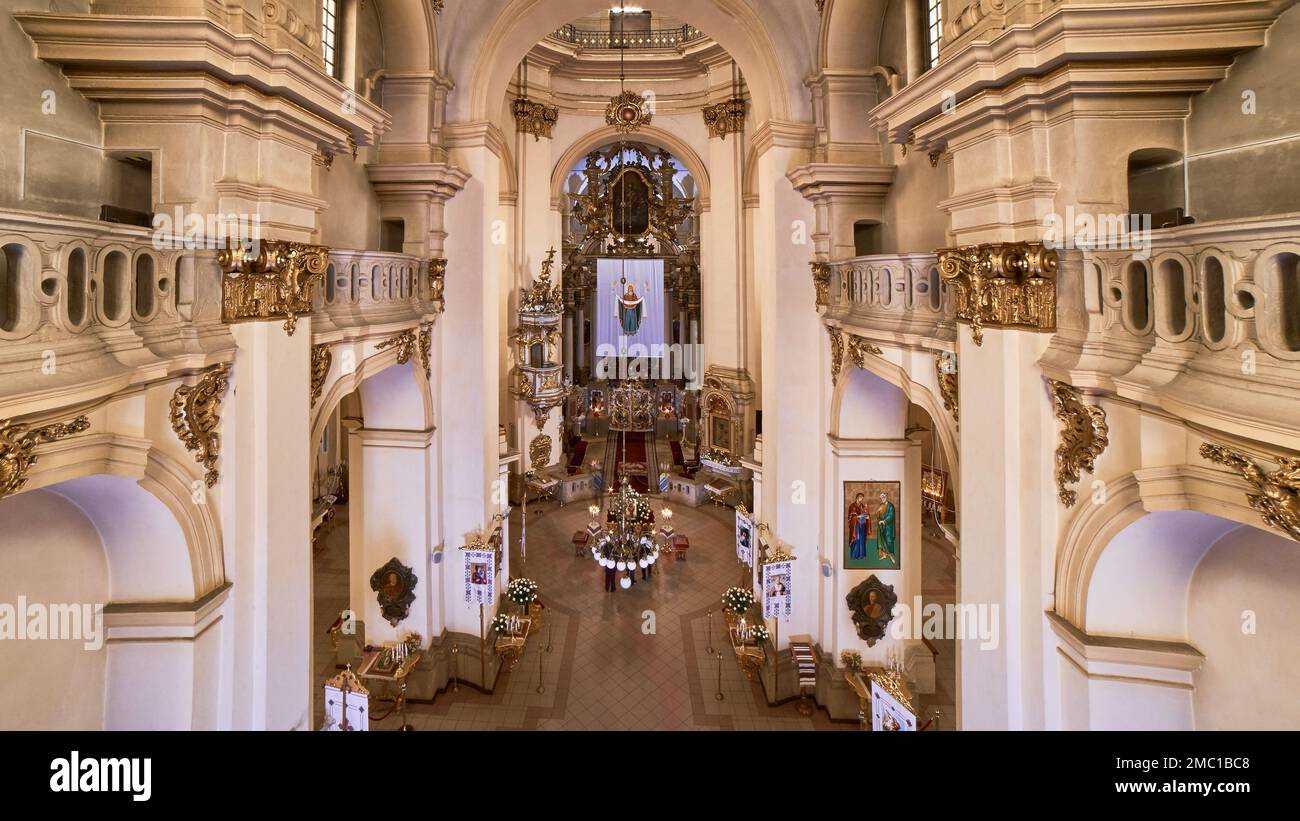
1202	321
372	288
899	296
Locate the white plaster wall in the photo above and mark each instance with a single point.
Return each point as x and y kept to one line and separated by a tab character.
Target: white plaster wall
1139	585
50	685
1248	680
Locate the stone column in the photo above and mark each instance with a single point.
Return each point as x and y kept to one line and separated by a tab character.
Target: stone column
267	524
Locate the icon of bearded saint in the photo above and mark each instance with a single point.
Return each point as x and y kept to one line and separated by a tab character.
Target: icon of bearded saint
631	309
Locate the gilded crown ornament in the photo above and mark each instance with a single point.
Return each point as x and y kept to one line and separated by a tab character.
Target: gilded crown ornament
270	279
18	444
195	421
1084	437
542	297
1277	494
1002	285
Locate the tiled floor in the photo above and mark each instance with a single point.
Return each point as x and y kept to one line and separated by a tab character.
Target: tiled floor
634	659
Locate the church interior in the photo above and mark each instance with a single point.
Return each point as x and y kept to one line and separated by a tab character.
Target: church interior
844	365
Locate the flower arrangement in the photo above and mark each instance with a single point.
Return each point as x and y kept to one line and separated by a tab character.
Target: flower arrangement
760	634
521	591
501	623
719	457
413	642
851	659
737	599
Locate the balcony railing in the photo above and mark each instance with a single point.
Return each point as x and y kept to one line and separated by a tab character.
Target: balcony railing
1204	321
660	38
899	295
372	287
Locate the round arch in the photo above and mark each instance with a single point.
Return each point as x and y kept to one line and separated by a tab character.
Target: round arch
345	383
410	35
918	394
1095	526
650	134
489	54
848	25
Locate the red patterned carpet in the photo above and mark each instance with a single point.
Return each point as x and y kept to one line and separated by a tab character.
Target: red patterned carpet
630	447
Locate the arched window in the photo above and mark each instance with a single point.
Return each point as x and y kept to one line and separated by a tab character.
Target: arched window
329	36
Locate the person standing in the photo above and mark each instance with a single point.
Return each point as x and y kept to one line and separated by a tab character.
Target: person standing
610	580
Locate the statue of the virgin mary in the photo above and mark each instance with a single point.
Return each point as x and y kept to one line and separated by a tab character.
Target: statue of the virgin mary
631	308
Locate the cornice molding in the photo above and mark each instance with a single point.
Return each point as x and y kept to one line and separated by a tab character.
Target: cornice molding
1142	32
115	59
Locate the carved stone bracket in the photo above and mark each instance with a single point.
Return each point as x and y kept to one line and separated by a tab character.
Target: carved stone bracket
437	279
321	358
534	118
821	275
1083	438
726	117
17	448
1278	493
859	349
275	279
404	343
945	366
1002	285
837	354
426	348
194	417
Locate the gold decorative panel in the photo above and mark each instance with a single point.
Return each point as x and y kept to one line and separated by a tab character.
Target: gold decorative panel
539	451
1083	438
1002	285
194	418
437	279
277	280
1277	496
17	448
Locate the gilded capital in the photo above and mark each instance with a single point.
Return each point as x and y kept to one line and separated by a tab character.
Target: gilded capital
1002	285
272	279
726	117
534	118
821	275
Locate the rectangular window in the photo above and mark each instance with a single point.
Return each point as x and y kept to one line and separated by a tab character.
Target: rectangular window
934	31
329	35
